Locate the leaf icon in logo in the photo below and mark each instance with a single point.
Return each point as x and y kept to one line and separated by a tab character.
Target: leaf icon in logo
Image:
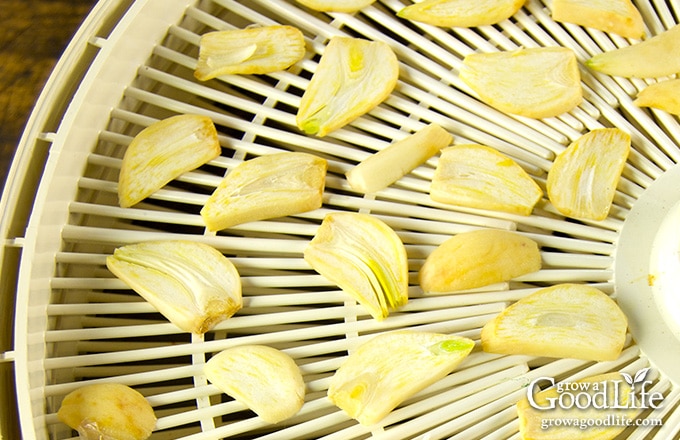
640	375
628	378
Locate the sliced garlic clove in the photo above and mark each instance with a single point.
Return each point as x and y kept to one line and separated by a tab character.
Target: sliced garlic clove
353	76
267	187
664	95
192	284
364	257
462	13
390	368
264	379
254	50
108	411
481	177
537	82
479	258
646	59
336	5
563	321
396	160
583	178
162	152
620	17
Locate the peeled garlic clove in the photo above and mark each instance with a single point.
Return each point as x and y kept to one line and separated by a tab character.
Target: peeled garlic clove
461	12
479	258
616	16
162	152
108	411
192	284
396	160
353	76
646	59
254	50
563	321
336	5
537	82
364	257
477	176
392	367
664	95
267	187
264	379
583	178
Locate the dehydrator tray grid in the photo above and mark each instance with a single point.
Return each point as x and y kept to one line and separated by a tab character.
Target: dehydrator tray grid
77	324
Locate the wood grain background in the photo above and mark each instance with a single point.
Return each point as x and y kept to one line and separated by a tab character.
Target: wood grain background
33	35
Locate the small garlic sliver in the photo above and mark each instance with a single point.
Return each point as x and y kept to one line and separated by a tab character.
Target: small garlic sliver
264	379
162	152
192	284
271	186
399	158
364	257
254	50
391	367
108	411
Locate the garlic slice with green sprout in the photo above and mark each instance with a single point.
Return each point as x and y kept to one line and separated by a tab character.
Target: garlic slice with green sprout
354	75
391	367
192	284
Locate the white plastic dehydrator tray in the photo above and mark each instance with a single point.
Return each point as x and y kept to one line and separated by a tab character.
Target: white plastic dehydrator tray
132	63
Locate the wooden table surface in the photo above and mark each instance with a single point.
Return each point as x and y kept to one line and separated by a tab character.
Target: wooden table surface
33	35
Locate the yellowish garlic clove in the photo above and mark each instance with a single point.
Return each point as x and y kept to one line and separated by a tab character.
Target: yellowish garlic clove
620	17
270	186
478	258
563	321
478	176
254	50
646	59
537	82
262	378
364	257
353	76
461	13
389	368
583	178
162	152
664	95
336	5
108	411
192	284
